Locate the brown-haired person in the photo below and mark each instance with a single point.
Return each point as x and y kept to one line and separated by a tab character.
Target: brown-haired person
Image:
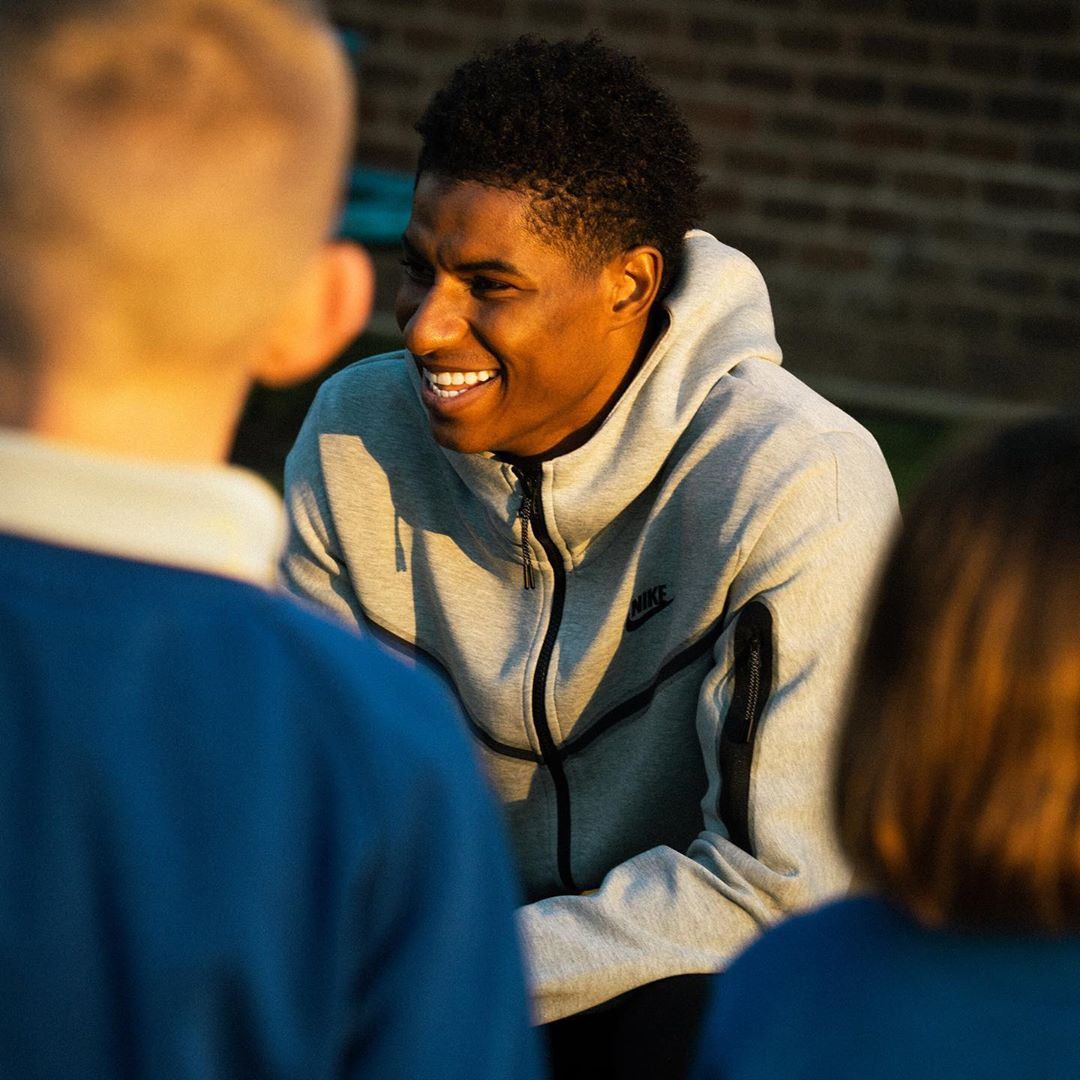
958	803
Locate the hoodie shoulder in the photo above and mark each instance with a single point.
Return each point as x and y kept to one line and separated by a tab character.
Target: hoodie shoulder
373	383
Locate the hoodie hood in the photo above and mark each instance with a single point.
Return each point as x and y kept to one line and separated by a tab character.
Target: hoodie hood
718	316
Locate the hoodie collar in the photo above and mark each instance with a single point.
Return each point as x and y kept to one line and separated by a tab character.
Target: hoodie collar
719	316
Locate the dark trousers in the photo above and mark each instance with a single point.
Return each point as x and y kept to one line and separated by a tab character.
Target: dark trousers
649	1033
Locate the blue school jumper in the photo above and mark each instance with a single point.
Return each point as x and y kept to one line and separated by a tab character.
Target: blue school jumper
235	839
859	991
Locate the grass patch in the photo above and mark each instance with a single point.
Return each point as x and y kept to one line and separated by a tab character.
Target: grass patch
911	444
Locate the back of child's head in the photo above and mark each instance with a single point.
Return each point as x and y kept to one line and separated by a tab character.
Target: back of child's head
958	784
166	168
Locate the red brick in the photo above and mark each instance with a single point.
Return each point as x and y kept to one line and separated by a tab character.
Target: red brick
1030	110
799	211
1033	17
489	9
1021	283
749	159
919	269
889	307
788	4
832	258
855	7
566	13
983	59
770	79
936	98
897	48
1065	245
850	89
1058	67
971	320
722	31
810	39
944	12
974	145
1049	330
1057	153
720	116
1020	196
888	135
386	75
880	219
645	21
761	247
693	69
430	39
721	199
843	172
931	185
804	125
973	234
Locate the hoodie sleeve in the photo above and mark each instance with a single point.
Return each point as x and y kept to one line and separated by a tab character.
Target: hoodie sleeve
766	718
312	565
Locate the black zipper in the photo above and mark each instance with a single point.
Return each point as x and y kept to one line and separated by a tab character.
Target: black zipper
532	513
753	683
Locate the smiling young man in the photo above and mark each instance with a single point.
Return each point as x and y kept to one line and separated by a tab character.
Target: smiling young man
638	548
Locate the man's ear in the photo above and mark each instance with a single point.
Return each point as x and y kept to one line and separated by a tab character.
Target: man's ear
328	309
637	274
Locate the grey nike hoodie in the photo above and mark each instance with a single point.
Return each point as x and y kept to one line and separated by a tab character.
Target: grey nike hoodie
657	712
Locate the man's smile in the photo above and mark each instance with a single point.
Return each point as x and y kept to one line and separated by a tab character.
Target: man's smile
452	384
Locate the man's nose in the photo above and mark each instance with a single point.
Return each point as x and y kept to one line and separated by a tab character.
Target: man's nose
432	321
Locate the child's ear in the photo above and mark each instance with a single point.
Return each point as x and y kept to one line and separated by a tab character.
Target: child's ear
329	308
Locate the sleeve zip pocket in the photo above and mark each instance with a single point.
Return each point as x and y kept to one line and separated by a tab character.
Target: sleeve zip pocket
753	684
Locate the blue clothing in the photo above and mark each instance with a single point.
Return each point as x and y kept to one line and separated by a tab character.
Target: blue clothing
858	989
236	841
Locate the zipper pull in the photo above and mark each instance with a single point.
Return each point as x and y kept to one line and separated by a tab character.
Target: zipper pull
525	513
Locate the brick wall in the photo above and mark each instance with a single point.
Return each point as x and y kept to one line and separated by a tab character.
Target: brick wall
905	172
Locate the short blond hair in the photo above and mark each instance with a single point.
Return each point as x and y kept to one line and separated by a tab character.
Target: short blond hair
958	781
177	159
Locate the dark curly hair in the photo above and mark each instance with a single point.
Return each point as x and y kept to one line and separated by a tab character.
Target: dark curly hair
609	161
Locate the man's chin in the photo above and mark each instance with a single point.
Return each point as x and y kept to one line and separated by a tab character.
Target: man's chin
453	437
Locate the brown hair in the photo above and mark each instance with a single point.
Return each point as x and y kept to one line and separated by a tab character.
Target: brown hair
958	781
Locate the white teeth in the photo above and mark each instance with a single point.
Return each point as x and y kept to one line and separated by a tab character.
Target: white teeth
436	380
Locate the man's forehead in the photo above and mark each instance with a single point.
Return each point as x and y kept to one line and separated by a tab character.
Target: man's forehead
466	221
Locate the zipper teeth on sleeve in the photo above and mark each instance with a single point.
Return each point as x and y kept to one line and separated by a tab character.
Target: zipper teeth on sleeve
753	671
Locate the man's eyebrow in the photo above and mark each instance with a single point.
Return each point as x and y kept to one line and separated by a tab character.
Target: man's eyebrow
499	266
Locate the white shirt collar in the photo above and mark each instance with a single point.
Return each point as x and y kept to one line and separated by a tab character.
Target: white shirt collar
215	519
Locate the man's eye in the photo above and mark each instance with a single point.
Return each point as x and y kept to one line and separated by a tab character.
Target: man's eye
488	285
416	271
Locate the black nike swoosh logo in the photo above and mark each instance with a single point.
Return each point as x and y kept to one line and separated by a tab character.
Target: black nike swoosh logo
633	624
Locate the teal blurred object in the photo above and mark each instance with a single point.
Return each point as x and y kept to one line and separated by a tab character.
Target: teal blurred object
379	200
378	206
